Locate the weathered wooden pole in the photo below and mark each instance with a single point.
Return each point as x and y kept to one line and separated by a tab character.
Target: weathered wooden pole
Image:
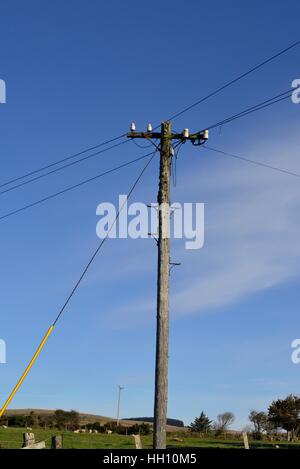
162	327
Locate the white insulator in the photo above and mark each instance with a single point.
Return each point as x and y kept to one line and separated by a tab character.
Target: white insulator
186	133
149	128
205	135
132	127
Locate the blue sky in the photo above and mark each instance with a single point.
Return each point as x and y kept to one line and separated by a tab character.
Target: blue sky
78	73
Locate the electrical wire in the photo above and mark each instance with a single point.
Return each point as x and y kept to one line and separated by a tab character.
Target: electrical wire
31	173
104	239
247	111
248	160
173	170
235	80
139	145
63	191
36	178
174	161
250	110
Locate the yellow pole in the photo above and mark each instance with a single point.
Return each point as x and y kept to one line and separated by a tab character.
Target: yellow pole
27	370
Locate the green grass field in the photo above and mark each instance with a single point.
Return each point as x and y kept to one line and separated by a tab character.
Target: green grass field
11	438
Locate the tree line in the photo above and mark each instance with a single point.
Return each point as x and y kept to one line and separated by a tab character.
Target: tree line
64	420
282	414
60	419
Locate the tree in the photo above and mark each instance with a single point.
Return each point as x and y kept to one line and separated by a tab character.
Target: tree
47	421
73	420
16	421
223	422
285	413
260	422
66	420
141	429
31	420
60	418
201	423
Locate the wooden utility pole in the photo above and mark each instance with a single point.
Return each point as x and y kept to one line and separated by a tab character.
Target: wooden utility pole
163	269
162	324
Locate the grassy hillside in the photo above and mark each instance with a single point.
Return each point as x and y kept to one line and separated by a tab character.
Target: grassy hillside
84	418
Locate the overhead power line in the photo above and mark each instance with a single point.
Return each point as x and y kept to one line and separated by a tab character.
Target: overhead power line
257	107
35	171
235	80
254	162
70	188
36	178
250	110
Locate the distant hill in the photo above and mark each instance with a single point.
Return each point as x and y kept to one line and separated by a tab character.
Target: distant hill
85	418
171	422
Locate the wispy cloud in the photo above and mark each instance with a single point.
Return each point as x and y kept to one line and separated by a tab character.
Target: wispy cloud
252	231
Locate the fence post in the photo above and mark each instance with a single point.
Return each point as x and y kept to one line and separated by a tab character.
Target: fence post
138	442
28	439
29	442
56	442
245	438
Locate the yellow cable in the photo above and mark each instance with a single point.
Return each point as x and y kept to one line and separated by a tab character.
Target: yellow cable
27	370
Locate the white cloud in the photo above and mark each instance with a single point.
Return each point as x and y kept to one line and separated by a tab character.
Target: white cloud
252	230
